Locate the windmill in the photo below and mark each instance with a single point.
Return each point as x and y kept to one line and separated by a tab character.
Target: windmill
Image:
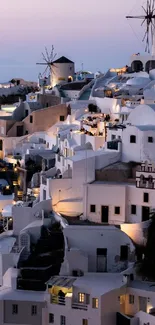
148	18
48	62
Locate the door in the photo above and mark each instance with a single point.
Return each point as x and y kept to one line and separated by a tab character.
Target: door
19	130
145	213
143	304
101	260
104	214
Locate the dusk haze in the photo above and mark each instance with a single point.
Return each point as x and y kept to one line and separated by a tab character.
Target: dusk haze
95	33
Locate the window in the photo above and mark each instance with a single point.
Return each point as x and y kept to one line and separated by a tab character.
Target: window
31	119
51	318
117	210
85	322
113	137
2	129
26	132
124	253
14	309
133	209
132	139
146	197
81	297
150	139
131	299
62	118
62	320
34	310
44	195
95	303
93	208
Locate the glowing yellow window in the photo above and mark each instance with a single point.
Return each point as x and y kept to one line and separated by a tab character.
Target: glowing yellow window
95	303
81	297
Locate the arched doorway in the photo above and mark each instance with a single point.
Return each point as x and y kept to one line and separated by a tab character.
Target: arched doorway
137	66
150	65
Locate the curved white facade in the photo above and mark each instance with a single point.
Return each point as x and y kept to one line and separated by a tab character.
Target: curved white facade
60	72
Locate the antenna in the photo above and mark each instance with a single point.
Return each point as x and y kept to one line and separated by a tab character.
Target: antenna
149	19
48	62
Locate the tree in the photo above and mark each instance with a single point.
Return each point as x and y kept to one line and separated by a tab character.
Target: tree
92	108
13	81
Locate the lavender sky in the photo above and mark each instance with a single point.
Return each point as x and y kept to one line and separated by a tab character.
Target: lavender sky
93	32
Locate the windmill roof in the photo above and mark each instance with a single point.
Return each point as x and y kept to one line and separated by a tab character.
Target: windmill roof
63	59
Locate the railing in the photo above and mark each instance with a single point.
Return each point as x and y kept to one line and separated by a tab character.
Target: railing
76	305
58	300
146	185
62	301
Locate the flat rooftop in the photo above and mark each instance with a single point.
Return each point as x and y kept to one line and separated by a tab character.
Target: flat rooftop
114	183
91	282
142	285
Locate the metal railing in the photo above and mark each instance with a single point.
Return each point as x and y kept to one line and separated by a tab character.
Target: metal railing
76	305
62	301
58	300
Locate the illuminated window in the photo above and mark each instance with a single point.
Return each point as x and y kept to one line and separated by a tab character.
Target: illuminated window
95	303
81	297
85	322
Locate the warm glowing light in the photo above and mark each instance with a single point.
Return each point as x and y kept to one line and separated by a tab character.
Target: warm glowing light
7	187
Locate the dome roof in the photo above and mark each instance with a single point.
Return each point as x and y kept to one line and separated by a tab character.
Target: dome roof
138	81
63	59
142	115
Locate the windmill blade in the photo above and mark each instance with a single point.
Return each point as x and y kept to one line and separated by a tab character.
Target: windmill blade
148	6
47	54
147	49
52	71
41	63
53	65
54	56
136	17
45	70
144	10
144	36
44	58
152	31
143	22
51	55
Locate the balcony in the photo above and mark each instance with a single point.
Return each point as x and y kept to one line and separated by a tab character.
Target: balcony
145	184
58	300
81	306
63	301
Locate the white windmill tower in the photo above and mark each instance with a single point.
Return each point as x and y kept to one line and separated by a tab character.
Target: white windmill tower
47	75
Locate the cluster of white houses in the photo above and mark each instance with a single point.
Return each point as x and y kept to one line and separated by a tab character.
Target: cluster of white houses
70	255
